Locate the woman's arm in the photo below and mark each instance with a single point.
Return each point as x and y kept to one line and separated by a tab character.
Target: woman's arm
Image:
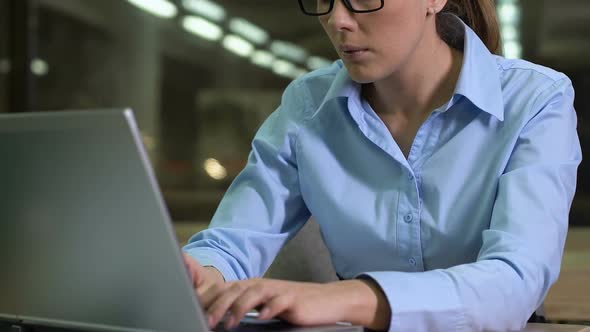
263	207
521	253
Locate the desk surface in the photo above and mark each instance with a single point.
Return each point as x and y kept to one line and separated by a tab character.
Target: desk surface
569	298
556	328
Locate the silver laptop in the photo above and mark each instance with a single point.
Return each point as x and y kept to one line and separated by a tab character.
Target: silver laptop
86	243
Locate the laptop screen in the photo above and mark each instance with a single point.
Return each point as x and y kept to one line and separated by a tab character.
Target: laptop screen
84	233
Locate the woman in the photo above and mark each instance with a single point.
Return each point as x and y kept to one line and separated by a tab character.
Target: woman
441	176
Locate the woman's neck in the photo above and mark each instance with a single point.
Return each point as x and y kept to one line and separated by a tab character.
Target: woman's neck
425	82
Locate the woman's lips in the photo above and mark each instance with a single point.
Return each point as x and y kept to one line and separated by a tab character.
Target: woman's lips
354	53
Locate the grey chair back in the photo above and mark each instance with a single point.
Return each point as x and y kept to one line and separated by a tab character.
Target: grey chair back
304	258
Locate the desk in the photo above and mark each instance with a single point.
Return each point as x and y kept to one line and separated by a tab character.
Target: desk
569	298
535	327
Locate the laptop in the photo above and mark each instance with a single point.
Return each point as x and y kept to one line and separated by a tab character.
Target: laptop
86	243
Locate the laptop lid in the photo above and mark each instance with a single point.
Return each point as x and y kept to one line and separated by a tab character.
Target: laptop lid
85	239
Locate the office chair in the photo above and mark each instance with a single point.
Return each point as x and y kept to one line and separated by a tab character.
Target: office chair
304	258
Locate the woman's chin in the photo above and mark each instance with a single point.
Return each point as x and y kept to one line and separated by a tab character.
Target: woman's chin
362	78
361	75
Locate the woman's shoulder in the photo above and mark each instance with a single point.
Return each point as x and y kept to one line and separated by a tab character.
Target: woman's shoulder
519	71
528	88
315	85
304	95
322	76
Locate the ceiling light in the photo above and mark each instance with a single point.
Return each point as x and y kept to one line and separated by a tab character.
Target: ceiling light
282	67
512	50
205	8
316	62
262	58
509	13
202	28
248	30
214	169
509	32
288	50
287	69
39	67
238	45
161	8
299	72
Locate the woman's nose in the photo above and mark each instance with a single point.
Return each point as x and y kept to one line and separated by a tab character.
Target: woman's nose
340	18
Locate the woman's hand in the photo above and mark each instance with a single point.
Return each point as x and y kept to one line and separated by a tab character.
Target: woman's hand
207	281
360	302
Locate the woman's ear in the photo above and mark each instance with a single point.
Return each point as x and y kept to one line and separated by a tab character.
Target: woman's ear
435	6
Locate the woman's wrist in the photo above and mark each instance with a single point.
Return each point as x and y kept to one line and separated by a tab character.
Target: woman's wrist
216	274
364	303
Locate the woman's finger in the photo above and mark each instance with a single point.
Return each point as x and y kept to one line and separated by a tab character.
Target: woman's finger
208	293
275	306
196	271
223	302
255	294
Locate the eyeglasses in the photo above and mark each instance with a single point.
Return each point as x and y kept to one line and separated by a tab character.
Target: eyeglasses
323	7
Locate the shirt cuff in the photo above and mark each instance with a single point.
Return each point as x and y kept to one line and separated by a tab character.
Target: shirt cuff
209	257
422	301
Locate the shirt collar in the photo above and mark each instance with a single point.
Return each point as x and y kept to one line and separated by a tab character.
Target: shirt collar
479	80
343	85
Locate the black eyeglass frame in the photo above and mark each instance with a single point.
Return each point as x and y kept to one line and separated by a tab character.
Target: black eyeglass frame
346	4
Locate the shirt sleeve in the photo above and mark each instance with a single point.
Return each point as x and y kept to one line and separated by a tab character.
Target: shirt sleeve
520	257
263	207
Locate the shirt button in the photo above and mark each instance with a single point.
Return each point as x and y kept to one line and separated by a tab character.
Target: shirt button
410	176
412	262
408	218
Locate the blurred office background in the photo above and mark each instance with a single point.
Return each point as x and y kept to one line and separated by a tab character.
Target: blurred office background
201	76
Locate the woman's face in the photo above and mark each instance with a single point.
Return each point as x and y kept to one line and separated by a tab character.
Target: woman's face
375	45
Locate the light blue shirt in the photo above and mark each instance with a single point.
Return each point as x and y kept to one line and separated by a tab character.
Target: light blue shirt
466	234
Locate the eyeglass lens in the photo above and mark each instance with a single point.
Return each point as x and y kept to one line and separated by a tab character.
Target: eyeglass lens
324	6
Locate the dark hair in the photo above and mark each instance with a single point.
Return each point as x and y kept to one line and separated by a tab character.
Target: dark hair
479	15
